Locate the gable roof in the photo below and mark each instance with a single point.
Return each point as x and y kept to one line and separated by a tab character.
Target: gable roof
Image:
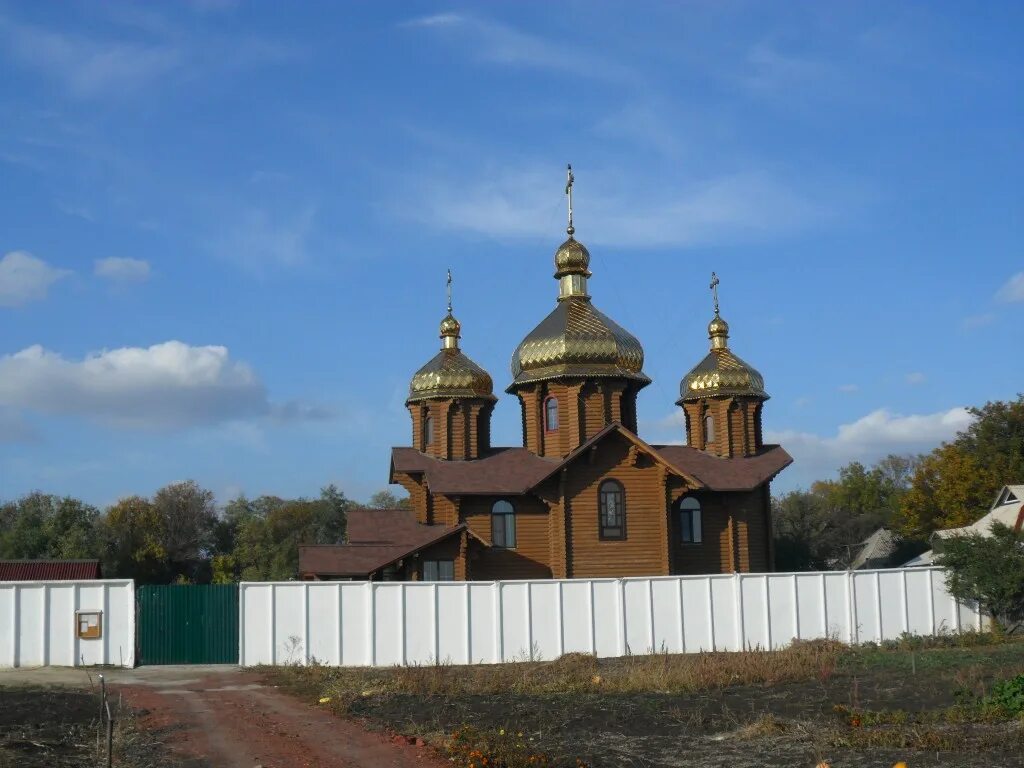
518	471
386	526
359	559
50	570
1007	509
618	428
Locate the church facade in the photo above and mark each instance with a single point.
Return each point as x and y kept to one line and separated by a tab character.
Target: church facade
584	495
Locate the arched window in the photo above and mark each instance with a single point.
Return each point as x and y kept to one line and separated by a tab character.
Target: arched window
690	528
551	414
612	510
503	525
709	430
428	430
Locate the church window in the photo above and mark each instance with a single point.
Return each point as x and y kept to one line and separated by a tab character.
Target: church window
551	414
690	521
438	570
428	430
503	525
709	430
612	510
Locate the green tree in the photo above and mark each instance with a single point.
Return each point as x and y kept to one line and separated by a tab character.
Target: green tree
132	541
41	525
387	500
989	570
188	520
954	485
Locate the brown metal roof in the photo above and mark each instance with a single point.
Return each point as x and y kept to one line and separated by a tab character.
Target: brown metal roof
517	470
503	470
721	474
377	538
49	570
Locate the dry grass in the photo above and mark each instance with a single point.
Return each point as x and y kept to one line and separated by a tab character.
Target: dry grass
578	673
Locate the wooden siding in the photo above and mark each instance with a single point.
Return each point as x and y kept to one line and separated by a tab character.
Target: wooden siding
641	552
531	557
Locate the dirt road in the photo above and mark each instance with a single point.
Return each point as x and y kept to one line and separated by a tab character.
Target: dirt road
226	718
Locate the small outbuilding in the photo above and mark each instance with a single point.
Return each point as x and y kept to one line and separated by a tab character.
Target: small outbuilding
50	570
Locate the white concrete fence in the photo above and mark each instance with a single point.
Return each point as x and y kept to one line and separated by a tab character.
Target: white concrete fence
40	623
391	623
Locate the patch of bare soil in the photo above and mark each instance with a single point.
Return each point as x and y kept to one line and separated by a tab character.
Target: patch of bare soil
57	727
231	720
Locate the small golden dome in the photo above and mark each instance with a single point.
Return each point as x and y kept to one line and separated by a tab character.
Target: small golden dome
718	327
721	373
572	258
450	326
450	374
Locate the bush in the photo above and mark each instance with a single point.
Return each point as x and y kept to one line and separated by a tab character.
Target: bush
1008	695
990	571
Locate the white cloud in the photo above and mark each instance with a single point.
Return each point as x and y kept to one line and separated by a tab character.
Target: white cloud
502	44
25	278
87	67
916	377
867	439
165	386
1012	290
977	321
848	388
122	270
616	208
259	239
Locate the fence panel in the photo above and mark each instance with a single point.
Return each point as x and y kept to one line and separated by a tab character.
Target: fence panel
389	623
39	622
188	623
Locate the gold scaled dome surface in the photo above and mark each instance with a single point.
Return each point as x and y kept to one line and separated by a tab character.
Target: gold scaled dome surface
450	373
577	340
721	373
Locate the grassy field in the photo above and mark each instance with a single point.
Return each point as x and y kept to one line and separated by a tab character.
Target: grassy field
930	703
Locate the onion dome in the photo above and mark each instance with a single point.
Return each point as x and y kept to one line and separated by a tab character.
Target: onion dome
576	339
450	373
721	373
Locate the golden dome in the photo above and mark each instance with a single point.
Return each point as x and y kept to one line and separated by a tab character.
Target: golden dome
450	326
450	373
572	258
721	373
577	340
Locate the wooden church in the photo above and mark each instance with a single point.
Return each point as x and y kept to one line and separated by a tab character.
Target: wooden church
584	495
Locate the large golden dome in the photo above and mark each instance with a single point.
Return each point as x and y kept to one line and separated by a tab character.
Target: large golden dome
450	373
576	339
721	373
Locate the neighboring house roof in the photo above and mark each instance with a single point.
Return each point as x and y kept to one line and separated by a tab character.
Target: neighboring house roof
876	550
924	559
517	470
377	538
50	570
1008	509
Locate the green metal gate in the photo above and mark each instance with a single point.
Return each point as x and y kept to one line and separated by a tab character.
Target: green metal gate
187	623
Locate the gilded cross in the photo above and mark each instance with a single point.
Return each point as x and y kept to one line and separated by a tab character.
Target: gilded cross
569	179
714	289
449	291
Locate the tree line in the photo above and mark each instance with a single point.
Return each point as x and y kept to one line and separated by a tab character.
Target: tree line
952	486
179	534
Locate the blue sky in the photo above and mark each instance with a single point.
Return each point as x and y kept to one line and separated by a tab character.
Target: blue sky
225	225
